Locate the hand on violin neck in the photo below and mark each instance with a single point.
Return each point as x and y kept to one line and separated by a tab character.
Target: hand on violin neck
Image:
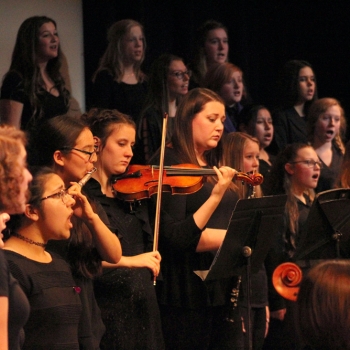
225	175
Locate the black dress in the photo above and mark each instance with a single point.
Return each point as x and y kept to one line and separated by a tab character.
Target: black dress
284	334
150	135
193	313
18	305
126	98
329	174
54	302
126	296
265	171
52	106
289	128
91	327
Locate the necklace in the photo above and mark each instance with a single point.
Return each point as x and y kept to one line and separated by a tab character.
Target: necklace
28	240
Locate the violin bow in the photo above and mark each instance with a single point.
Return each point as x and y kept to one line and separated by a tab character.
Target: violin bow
159	189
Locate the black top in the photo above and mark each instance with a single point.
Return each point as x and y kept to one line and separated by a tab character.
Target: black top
18	305
178	240
126	296
329	174
150	135
304	210
232	117
289	128
54	301
91	327
126	98
265	171
13	89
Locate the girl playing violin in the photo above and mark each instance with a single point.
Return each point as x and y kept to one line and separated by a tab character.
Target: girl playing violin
125	292
191	227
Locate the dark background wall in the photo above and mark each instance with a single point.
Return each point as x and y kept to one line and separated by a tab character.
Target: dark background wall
262	35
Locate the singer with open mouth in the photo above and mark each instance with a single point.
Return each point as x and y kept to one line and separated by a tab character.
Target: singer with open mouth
67	145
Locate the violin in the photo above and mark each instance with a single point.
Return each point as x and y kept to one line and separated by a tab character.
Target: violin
141	181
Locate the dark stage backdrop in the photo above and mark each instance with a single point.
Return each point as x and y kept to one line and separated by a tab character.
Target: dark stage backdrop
262	35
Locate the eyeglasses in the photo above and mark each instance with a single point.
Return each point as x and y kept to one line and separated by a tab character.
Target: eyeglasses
310	163
63	195
181	75
82	151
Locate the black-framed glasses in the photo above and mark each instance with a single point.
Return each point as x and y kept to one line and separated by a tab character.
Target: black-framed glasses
181	75
310	163
62	194
81	150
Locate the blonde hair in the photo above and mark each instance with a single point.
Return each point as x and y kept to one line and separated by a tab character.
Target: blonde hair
233	150
112	59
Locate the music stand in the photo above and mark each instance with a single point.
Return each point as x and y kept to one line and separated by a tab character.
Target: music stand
327	230
253	227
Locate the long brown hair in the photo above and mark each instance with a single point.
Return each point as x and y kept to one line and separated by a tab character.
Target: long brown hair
182	139
280	183
112	59
200	60
323	306
24	63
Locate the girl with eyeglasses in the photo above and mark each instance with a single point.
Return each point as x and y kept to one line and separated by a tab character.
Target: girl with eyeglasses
169	80
14	179
66	144
44	276
119	82
295	172
326	129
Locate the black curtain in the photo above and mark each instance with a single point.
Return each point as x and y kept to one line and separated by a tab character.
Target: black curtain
263	35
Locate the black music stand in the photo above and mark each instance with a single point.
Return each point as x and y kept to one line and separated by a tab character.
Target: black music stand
327	230
253	227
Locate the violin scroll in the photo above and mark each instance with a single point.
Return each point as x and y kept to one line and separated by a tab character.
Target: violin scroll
251	179
286	280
